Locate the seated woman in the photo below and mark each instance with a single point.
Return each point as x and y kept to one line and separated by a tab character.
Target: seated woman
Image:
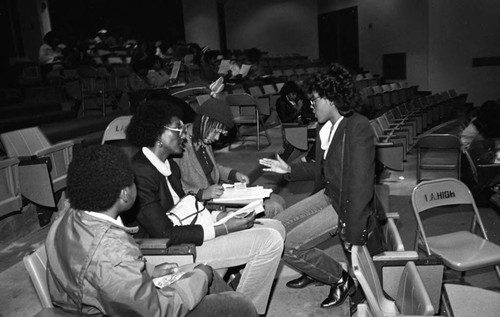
156	128
94	266
200	173
292	107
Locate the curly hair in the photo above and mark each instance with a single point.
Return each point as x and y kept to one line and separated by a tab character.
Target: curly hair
336	85
289	87
149	121
96	175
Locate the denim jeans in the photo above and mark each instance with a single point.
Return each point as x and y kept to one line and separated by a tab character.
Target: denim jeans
309	223
223	301
259	247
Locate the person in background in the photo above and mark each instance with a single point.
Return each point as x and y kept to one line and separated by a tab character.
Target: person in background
157	77
482	136
341	202
156	129
49	53
200	173
292	108
94	265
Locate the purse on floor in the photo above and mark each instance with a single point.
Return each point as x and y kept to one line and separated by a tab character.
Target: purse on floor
189	211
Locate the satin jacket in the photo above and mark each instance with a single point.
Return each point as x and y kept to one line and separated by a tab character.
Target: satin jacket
347	174
95	264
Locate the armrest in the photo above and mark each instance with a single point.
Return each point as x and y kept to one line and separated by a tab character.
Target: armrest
152	243
162	247
54	148
396	256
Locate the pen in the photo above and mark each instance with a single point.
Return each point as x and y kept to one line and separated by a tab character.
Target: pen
257	223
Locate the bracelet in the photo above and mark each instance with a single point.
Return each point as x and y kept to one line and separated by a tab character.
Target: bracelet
225	227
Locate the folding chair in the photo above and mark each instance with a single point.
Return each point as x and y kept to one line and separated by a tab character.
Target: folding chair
43	167
116	129
411	299
466	301
440	154
157	250
246	111
460	250
94	84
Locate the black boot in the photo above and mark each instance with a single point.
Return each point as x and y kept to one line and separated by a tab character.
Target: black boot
302	282
339	291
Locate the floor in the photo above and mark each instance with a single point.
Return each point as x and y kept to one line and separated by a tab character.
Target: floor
18	297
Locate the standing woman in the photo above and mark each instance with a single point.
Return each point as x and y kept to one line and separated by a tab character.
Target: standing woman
200	172
157	130
344	173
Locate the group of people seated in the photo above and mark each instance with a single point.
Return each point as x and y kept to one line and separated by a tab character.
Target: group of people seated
96	267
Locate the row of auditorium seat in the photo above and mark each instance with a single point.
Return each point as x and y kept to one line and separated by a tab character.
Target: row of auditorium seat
397	129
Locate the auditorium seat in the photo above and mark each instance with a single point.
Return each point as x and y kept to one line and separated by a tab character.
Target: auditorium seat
43	167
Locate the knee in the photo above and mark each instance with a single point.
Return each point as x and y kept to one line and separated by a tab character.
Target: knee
274	205
276	226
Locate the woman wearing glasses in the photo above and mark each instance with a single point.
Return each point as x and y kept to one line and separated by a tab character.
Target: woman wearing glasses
157	130
200	173
344	174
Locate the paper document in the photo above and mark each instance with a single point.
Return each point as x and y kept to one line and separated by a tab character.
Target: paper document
224	66
244	69
175	70
255	206
231	194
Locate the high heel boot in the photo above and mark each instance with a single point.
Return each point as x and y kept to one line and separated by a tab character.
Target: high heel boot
339	291
302	282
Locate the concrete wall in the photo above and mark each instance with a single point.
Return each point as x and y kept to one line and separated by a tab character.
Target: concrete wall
280	27
390	26
460	31
32	28
200	22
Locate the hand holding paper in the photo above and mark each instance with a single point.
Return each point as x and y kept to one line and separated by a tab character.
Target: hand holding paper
256	206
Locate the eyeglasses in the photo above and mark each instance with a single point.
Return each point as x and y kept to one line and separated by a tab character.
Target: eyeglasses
313	100
181	129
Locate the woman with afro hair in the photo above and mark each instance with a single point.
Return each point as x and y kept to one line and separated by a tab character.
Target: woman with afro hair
156	129
344	175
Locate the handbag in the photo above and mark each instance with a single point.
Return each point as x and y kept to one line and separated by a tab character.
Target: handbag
189	211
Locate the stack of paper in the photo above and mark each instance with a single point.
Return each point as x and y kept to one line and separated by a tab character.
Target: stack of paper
249	193
256	206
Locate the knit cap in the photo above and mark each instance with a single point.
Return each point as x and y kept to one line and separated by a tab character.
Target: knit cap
218	110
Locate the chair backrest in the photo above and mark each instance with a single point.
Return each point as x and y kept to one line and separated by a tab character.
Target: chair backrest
411	299
24	142
241	101
441	192
116	129
446	155
10	192
36	265
367	276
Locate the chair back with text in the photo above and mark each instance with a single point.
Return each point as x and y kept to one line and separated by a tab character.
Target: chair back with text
116	129
461	250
